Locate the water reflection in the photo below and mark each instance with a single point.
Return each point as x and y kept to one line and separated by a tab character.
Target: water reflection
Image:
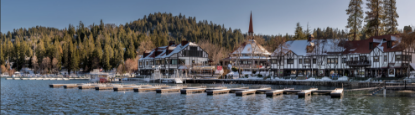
35	97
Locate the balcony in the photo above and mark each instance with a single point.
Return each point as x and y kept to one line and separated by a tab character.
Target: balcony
360	63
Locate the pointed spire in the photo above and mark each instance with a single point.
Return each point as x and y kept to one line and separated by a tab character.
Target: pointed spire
251	29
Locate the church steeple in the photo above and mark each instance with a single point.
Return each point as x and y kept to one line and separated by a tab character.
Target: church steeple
251	29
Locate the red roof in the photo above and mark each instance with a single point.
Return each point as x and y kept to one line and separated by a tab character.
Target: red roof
362	46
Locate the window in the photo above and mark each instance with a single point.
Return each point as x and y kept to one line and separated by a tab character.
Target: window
376	59
314	60
290	61
331	60
356	59
244	62
273	61
193	61
385	58
141	63
182	61
249	62
174	62
307	61
398	58
344	60
300	61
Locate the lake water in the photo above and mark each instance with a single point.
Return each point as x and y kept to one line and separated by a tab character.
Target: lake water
35	97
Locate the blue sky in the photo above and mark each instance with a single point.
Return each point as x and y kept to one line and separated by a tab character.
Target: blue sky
270	17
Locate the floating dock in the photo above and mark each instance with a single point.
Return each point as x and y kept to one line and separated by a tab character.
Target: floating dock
304	93
168	90
241	91
245	92
338	92
216	92
192	91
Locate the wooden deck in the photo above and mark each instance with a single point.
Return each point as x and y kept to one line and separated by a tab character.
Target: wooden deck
216	92
86	87
191	91
304	93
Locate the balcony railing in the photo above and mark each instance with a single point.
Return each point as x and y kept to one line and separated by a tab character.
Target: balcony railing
358	63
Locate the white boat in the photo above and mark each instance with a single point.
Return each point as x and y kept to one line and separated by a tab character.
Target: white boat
9	78
46	78
59	79
38	79
52	78
25	79
65	78
16	78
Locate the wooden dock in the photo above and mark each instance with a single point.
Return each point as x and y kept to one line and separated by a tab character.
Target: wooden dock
274	93
62	85
191	91
263	90
338	92
168	90
233	90
125	88
304	93
144	89
245	92
216	92
70	86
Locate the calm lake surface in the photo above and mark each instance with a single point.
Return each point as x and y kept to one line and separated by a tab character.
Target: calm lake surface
35	97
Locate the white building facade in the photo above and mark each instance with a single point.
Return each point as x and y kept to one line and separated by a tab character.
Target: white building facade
380	56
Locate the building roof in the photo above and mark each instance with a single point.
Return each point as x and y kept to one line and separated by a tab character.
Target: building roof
251	47
320	47
162	50
362	46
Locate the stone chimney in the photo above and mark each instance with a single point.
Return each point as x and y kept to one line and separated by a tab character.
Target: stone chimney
146	53
184	42
310	38
171	43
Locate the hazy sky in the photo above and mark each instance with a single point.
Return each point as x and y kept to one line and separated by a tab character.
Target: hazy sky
270	17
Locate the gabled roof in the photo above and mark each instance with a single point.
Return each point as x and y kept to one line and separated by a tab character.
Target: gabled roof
251	47
162	49
320	47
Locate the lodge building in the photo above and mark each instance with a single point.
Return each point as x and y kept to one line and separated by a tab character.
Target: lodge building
169	59
378	56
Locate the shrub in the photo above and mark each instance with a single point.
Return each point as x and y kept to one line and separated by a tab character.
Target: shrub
254	71
246	76
234	69
259	75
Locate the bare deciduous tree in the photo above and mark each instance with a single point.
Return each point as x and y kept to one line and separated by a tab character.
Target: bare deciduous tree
216	53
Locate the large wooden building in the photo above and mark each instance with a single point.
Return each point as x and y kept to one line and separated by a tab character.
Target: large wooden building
379	56
169	59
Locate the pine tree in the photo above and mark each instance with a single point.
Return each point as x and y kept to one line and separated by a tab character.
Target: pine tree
354	22
374	16
106	58
299	32
389	19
